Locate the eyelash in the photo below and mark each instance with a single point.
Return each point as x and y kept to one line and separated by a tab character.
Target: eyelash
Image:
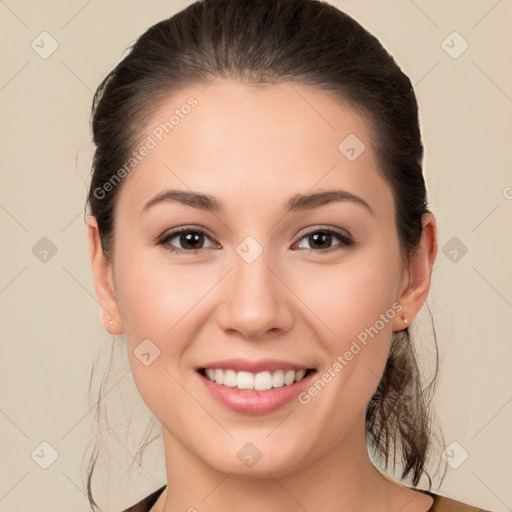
163	240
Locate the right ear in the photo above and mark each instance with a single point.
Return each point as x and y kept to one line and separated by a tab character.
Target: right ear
103	281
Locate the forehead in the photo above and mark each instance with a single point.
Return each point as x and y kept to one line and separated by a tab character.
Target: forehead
255	145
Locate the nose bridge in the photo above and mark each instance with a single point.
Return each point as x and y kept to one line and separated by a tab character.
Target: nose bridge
256	301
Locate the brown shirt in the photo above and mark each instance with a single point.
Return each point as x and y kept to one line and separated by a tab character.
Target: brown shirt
441	504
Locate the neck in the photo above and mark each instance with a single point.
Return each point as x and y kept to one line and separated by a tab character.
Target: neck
344	478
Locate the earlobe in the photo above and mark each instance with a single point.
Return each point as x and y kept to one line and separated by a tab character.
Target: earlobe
103	280
417	285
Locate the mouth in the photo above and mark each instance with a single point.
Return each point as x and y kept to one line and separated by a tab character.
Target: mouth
254	387
249	381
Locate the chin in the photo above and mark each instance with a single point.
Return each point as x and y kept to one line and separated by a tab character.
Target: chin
253	460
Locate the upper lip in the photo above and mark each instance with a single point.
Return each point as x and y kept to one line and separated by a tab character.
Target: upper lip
262	365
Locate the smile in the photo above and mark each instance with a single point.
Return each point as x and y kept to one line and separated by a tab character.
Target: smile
254	387
261	381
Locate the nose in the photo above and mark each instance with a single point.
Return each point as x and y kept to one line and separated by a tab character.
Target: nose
257	302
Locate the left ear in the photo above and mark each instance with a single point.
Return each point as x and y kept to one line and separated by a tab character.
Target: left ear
416	282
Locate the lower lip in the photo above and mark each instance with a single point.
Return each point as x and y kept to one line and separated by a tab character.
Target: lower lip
255	402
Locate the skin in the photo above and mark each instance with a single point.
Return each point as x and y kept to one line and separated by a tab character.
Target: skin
292	303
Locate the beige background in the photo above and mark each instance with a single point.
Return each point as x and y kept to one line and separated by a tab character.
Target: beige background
49	313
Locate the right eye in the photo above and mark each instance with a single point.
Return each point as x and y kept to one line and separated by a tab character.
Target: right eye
187	237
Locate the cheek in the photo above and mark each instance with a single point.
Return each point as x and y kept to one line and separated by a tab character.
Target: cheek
351	297
153	296
156	304
356	303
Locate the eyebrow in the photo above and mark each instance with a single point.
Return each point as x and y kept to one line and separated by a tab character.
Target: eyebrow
297	203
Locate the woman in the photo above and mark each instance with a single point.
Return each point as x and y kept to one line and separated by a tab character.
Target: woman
259	233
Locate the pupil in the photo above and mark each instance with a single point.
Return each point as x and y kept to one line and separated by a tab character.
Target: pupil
189	239
317	235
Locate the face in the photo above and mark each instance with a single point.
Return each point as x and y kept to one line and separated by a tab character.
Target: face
266	277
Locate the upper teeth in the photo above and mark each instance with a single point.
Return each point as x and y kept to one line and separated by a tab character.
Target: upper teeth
257	381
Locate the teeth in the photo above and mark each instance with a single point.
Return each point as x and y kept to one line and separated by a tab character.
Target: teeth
278	379
263	381
255	381
244	380
289	377
229	378
299	375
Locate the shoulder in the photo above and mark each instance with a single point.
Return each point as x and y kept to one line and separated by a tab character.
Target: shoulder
145	504
443	504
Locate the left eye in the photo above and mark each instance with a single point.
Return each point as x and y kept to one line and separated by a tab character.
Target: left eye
189	239
325	236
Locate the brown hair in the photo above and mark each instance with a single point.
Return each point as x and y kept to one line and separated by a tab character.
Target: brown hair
270	41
